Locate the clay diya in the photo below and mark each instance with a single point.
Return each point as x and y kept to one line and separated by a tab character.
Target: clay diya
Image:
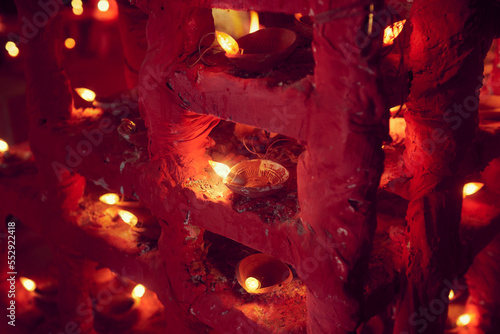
262	273
304	25
261	51
256	178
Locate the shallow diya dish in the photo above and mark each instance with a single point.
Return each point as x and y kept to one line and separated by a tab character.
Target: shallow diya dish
269	272
256	178
264	49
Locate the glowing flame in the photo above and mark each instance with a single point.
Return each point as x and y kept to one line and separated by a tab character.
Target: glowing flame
392	31
28	284
4	147
138	291
252	283
451	295
103	5
464	320
12	49
254	21
128	217
472	188
110	198
227	43
297	16
69	43
219	168
86	94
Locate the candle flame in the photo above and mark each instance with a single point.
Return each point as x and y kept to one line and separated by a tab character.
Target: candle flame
28	284
110	198
392	31
254	21
297	16
252	283
227	43
128	217
464	320
219	168
86	94
4	147
451	295
472	188
138	291
69	43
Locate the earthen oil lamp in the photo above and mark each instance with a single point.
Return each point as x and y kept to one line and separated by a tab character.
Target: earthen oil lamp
120	312
44	293
260	51
13	161
253	178
261	273
304	25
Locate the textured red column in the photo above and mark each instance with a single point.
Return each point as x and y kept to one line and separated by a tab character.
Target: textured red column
339	173
446	60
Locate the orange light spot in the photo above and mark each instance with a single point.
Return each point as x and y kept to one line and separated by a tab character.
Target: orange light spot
128	217
252	283
86	94
227	43
69	43
28	284
392	31
110	198
4	147
254	22
464	320
219	168
472	188
138	291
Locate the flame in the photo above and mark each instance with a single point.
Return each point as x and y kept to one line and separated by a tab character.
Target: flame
219	168
110	198
86	94
12	49
4	147
297	16
254	21
392	31
451	295
138	291
28	284
472	188
103	5
464	320
227	43
69	43
128	217
252	283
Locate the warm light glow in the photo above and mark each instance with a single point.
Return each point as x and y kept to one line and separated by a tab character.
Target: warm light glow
252	283
12	49
254	21
76	3
227	43
110	198
297	16
69	43
219	168
4	147
464	320
103	5
451	295
472	188
86	94
78	10
138	291
392	31
128	217
28	284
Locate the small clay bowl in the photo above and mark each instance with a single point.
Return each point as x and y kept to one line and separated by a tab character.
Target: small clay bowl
271	272
256	178
264	49
304	26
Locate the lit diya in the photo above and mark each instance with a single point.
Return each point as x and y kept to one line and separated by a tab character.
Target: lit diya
259	51
253	178
262	273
